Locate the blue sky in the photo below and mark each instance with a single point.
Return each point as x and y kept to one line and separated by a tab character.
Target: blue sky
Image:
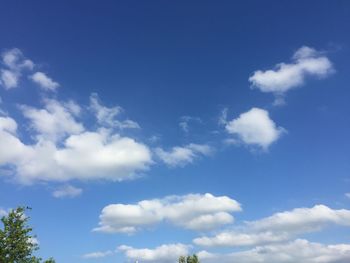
146	130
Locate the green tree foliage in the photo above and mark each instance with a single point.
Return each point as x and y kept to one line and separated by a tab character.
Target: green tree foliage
17	244
189	259
182	259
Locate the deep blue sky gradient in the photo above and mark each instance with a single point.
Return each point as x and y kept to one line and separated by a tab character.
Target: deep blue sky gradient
161	60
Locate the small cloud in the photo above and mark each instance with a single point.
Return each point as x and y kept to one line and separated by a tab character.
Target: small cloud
98	254
163	253
255	127
306	62
67	191
185	121
107	116
14	63
180	156
45	82
223	117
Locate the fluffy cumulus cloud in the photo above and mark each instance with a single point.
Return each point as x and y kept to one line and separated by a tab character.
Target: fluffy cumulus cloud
255	127
180	156
44	81
163	254
306	62
302	219
279	227
14	63
193	211
299	250
67	191
236	239
55	120
63	149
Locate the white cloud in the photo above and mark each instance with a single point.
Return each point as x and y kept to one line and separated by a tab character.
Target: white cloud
279	227
55	121
306	61
15	60
98	254
9	79
301	220
14	63
15	149
296	251
347	195
163	254
64	150
236	239
44	81
86	156
255	127
193	211
67	191
180	156
108	116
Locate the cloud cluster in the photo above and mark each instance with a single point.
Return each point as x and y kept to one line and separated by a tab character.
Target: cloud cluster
63	149
193	211
180	156
279	227
163	254
255	127
306	62
15	64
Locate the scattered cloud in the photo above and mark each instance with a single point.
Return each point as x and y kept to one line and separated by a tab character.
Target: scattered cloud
255	127
193	211
279	227
306	62
163	254
223	117
98	254
180	156
9	79
108	116
14	63
347	195
67	191
185	121
45	82
299	250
